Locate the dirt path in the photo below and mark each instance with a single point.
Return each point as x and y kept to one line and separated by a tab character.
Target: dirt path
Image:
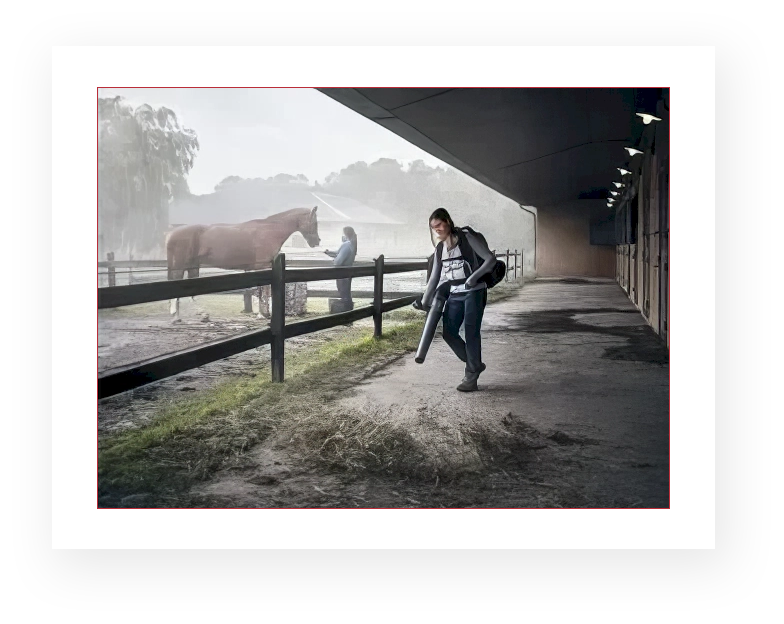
572	412
125	338
135	333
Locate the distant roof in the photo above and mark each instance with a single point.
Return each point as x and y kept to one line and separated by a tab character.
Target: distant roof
251	199
346	209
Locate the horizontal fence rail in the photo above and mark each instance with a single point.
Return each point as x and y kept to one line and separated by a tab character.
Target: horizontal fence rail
362	294
124	378
290	262
118	296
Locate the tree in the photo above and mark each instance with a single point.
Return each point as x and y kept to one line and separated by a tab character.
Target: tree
227	181
144	157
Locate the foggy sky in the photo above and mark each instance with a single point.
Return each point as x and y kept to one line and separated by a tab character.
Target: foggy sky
261	132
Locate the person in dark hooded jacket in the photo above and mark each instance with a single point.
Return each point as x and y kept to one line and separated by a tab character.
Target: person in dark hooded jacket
462	259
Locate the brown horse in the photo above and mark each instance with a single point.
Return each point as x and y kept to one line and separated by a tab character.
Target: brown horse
245	246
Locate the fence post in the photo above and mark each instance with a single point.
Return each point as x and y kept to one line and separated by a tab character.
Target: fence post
278	316
522	267
110	259
378	295
507	266
515	257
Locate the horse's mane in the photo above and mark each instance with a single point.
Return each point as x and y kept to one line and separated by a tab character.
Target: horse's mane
276	218
283	215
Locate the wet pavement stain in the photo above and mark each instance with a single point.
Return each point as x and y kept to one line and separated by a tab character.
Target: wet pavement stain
642	343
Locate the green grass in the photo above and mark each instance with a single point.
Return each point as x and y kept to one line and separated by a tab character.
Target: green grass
228	306
191	438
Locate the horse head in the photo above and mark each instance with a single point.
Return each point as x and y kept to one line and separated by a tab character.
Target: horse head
308	227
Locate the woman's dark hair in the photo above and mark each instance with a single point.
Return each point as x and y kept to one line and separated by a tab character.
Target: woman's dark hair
442	215
352	236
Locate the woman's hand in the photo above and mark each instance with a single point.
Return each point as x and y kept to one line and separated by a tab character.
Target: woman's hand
420	305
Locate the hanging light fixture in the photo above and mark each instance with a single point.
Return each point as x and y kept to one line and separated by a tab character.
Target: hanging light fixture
618	184
632	151
623	171
646	118
614	193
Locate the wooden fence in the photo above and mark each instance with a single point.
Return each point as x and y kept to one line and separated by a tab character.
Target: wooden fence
124	378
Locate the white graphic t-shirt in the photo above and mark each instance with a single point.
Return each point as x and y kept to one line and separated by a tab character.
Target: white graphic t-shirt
453	267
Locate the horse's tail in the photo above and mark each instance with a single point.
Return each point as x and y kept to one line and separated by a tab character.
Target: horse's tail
177	254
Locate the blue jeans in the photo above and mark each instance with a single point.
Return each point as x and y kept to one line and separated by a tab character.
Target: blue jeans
468	307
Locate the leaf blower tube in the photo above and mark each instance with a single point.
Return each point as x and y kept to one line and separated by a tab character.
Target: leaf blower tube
433	316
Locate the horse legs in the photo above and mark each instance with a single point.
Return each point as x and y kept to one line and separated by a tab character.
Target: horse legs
174	304
174	310
205	317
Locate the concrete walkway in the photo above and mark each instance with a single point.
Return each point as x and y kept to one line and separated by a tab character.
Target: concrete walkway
573	371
